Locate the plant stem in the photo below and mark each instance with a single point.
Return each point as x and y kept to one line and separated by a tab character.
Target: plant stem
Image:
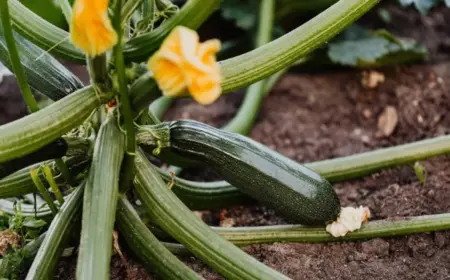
66	9
53	185
147	247
62	167
99	203
15	59
25	135
59	231
43	191
128	169
248	111
243	236
175	218
98	72
128	9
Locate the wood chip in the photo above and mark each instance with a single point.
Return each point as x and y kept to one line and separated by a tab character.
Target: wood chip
371	79
387	122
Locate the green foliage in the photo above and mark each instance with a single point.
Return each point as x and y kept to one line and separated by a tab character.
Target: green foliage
423	5
361	48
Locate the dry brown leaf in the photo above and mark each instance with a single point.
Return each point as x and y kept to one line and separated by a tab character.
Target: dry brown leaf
387	122
8	239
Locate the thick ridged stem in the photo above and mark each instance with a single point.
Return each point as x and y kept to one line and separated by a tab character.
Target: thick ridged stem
175	218
99	203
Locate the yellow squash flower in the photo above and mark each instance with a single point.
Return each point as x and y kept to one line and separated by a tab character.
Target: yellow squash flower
183	63
91	29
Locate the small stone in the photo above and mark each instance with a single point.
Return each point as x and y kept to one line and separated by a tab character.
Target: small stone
228	222
367	113
376	246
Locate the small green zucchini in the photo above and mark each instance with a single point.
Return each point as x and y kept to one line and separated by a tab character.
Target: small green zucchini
45	74
293	190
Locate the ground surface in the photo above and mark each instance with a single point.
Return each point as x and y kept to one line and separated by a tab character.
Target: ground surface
311	117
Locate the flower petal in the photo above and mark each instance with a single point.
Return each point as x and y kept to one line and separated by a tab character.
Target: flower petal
169	76
91	29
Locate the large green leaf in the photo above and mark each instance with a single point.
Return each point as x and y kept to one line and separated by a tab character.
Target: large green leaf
365	49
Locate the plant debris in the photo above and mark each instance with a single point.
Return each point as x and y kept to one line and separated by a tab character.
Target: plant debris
387	122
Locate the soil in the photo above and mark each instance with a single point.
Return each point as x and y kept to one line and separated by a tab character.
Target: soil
310	117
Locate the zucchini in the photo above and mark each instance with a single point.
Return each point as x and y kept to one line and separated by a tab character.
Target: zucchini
293	190
45	74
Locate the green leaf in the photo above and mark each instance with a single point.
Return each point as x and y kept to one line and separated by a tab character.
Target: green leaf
31	222
374	49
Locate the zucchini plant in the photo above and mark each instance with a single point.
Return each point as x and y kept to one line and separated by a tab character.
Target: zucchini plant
91	145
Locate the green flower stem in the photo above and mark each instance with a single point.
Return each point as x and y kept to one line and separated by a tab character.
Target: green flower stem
192	15
250	67
57	235
334	170
175	218
66	9
248	111
147	247
99	203
98	72
43	191
15	59
28	134
51	181
125	108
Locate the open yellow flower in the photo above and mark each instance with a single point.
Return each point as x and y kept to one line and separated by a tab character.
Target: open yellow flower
91	29
183	63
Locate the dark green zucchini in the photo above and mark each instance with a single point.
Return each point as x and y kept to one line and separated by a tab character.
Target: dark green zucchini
45	74
55	149
293	190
